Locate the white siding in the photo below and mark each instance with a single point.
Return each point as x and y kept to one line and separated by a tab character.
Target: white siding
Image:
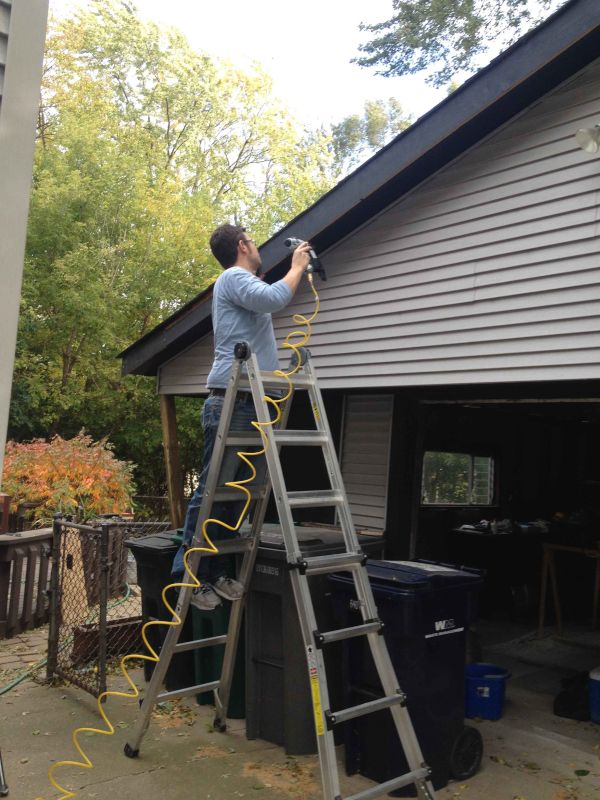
365	457
488	272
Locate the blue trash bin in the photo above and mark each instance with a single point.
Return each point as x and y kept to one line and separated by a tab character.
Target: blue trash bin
426	609
485	686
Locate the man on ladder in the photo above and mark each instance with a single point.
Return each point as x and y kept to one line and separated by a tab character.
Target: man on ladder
241	311
240	366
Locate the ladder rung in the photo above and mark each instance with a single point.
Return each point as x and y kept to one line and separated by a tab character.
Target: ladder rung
309	437
243	439
230	546
285	437
197	644
370	707
324	497
318	565
389	786
228	494
190	690
348	633
270	381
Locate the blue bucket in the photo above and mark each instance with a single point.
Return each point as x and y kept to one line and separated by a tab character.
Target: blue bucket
485	688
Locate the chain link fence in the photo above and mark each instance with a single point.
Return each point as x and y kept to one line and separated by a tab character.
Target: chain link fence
95	602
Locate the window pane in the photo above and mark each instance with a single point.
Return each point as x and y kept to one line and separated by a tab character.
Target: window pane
483	480
457	479
445	478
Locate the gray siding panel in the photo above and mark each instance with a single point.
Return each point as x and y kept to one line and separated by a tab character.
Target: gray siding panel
365	455
187	372
489	272
4	27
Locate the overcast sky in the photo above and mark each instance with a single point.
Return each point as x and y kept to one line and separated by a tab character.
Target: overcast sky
306	47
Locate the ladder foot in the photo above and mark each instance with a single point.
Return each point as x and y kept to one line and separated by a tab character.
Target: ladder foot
219	725
130	752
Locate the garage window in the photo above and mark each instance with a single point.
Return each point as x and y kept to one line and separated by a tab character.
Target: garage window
463	479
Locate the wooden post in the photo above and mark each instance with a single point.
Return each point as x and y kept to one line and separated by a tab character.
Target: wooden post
171	445
4	510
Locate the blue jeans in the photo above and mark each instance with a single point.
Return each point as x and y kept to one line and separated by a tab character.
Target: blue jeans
232	468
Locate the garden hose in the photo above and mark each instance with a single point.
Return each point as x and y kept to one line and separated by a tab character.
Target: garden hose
302	337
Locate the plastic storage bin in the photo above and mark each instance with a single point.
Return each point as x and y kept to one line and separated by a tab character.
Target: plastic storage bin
209	660
484	691
595	695
154	557
278	701
426	609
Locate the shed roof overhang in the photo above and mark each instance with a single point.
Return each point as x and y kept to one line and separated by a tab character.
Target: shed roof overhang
544	58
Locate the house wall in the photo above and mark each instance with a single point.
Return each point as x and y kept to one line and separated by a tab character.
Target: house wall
5	8
365	456
22	34
488	272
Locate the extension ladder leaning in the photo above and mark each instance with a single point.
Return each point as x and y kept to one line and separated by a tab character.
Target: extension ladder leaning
351	560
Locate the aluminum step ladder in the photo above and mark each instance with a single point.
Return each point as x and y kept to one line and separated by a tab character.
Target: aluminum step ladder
351	560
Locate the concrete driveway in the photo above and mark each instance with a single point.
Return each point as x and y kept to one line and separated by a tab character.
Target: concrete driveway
529	754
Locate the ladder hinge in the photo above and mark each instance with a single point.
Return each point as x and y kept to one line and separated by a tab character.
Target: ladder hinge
319	639
301	565
378	621
329	720
364	559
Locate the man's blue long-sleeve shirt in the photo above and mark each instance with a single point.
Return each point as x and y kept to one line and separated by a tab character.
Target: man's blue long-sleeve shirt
241	312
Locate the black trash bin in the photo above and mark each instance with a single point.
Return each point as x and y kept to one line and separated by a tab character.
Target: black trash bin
154	559
278	699
426	609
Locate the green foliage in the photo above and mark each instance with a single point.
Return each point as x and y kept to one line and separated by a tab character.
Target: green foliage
77	476
356	137
144	146
447	36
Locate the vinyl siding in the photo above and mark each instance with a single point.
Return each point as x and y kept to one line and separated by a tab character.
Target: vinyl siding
188	371
5	7
365	457
487	273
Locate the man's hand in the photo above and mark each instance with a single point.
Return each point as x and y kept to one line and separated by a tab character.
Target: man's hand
300	261
301	257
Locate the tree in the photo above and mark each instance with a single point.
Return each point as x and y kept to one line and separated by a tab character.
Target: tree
357	137
447	36
144	146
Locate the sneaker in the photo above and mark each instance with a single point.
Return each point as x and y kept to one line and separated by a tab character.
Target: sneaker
204	598
228	588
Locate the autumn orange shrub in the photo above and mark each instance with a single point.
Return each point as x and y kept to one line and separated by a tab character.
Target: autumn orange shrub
72	476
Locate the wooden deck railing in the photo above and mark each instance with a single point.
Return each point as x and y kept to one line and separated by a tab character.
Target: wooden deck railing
24	580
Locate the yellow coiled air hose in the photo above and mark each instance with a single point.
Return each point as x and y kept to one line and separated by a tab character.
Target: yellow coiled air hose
302	338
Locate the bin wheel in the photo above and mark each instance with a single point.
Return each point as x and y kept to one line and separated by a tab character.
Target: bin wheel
219	725
467	751
130	752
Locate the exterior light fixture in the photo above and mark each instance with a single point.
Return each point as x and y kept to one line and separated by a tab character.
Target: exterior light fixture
589	139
